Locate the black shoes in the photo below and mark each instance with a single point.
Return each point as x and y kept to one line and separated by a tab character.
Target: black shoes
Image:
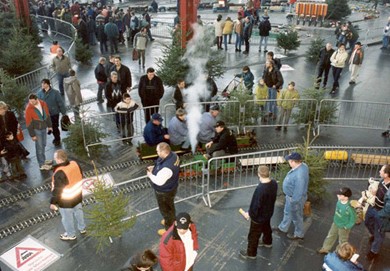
245	52
278	128
57	142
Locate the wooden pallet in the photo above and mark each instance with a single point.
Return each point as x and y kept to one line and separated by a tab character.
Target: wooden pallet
370	159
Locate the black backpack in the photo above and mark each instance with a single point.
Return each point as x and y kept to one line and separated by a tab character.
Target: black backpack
264	27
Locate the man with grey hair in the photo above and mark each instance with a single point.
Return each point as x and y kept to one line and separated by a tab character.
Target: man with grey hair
324	64
61	66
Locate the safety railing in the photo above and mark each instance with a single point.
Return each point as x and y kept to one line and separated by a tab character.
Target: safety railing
353	114
191	186
32	80
344	163
295	113
118	127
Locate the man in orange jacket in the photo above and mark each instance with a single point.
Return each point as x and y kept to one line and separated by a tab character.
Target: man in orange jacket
66	187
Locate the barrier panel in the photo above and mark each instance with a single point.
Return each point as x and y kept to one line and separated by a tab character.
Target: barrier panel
344	163
117	126
256	113
353	114
32	80
191	185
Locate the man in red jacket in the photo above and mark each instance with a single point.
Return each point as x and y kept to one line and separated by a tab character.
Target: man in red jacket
179	245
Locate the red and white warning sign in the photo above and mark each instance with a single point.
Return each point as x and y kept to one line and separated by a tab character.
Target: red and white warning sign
29	255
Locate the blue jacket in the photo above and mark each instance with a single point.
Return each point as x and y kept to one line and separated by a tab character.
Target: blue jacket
154	134
248	79
53	100
295	185
263	202
333	263
173	163
178	131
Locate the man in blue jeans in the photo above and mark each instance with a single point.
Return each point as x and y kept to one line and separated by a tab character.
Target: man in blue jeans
164	176
66	187
38	123
372	220
295	187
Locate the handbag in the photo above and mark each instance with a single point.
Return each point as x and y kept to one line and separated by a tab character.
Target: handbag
19	134
135	55
307	208
65	122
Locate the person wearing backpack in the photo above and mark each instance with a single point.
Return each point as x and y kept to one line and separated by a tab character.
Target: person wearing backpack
264	29
277	62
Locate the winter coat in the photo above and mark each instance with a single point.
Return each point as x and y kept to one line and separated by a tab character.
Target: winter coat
124	76
333	262
218	28
206	129
384	214
338	59
238	28
264	27
358	56
177	130
286	97
154	134
172	251
324	57
140	41
35	120
100	73
111	30
227	27
261	93
178	98
54	101
61	66
14	150
82	31
100	35
225	140
273	78
247	31
150	91
113	93
8	122
126	111
248	79
73	90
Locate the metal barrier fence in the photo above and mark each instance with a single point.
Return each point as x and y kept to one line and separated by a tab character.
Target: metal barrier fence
119	127
353	114
256	113
191	185
344	163
32	80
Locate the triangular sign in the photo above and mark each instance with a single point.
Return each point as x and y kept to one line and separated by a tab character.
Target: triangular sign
25	254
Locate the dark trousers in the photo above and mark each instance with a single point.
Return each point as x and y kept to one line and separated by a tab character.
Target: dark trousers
246	40
103	47
16	167
113	45
149	112
255	232
336	76
55	123
165	201
101	87
219	42
323	70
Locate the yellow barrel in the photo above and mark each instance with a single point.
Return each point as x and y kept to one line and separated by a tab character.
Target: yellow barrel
336	155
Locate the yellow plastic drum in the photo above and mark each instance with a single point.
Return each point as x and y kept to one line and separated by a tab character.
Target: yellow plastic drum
336	155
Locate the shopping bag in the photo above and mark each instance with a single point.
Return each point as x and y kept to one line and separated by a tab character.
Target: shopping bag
135	55
65	122
19	134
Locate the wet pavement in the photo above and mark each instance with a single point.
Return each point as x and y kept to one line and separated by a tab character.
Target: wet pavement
222	231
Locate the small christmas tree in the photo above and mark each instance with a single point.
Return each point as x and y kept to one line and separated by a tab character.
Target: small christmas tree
91	131
338	9
107	216
288	40
83	54
14	95
173	64
316	45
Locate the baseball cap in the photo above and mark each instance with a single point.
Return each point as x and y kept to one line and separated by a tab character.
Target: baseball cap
183	221
157	116
293	156
214	107
345	191
220	123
